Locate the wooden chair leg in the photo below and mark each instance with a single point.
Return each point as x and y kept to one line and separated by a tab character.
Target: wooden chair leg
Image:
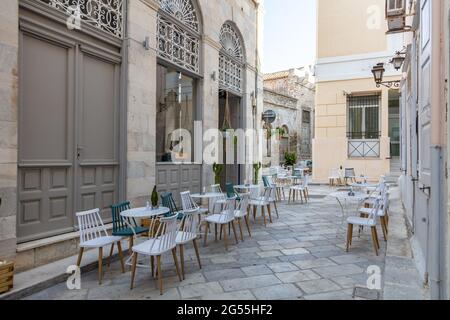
276	209
264	215
152	264
100	265
197	253
182	260
240	229
133	269
225	237
269	211
384	227
175	260
80	255
248	225
206	233
221	229
158	264
349	235
254	213
234	232
122	264
215	232
374	240
110	255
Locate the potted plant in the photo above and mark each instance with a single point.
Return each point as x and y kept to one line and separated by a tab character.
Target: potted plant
154	198
290	159
217	169
256	168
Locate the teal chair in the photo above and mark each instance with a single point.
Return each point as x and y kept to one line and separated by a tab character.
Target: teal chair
120	227
168	202
231	193
266	182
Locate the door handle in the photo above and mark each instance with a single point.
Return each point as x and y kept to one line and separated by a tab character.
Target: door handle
79	149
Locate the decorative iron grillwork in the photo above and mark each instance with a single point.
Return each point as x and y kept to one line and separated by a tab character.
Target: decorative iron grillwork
182	10
177	45
106	15
231	59
364	148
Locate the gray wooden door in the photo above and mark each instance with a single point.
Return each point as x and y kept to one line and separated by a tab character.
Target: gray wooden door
68	132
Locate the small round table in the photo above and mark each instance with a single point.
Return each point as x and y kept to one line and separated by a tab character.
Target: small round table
253	189
344	200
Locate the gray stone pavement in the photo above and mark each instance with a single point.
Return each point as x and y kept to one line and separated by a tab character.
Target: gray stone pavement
298	256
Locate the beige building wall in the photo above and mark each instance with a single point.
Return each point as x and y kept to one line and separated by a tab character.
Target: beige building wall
351	39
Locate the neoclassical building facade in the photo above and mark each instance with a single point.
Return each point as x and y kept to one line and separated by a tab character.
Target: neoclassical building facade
93	94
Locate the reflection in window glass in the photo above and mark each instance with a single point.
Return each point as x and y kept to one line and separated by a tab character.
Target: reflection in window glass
175	111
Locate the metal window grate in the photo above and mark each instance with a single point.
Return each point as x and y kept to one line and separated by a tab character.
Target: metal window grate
364	117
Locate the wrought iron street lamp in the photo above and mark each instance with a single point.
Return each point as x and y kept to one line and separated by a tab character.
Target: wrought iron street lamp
398	60
378	73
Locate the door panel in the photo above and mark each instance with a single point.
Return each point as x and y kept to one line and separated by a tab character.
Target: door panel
98	135
68	133
45	142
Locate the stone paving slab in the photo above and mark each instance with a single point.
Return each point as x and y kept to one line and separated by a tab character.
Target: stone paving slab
299	256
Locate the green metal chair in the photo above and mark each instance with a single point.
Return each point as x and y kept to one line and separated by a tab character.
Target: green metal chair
168	202
123	229
120	227
231	193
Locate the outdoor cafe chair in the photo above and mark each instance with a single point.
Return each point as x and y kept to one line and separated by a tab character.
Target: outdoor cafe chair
262	203
226	217
168	202
93	235
163	242
188	232
242	212
370	221
124	228
217	204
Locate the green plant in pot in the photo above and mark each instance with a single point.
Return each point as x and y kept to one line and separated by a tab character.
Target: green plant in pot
256	168
154	198
217	169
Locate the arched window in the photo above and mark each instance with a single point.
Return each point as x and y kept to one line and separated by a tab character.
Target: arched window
231	59
178	34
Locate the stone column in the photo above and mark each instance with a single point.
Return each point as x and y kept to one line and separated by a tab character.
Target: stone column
9	47
141	86
210	96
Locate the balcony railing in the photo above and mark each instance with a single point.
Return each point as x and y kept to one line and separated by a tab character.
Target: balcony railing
106	15
363	148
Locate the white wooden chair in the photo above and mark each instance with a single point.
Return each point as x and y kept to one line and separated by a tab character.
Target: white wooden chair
370	221
187	233
349	174
163	242
242	212
223	219
334	177
300	190
188	204
262	203
381	213
93	235
217	204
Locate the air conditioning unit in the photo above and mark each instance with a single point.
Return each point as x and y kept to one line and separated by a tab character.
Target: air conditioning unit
396	15
395	8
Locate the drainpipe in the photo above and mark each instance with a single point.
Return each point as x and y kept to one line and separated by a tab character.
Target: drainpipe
437	225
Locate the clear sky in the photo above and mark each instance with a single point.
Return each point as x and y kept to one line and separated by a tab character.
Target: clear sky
289	34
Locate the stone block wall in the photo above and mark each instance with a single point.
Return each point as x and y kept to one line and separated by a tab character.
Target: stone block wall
9	46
